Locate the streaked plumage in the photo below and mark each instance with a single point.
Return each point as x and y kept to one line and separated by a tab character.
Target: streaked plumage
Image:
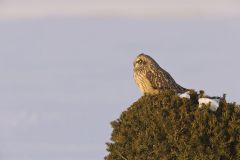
151	78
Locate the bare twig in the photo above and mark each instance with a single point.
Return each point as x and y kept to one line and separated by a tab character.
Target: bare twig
122	156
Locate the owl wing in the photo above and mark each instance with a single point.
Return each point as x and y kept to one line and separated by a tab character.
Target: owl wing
161	79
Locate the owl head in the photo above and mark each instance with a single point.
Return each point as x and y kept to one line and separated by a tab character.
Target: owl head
143	61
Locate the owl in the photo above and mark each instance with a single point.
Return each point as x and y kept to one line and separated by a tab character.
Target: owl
151	78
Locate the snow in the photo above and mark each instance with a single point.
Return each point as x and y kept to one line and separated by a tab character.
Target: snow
214	103
184	95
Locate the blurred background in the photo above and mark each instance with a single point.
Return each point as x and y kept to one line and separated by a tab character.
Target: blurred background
66	66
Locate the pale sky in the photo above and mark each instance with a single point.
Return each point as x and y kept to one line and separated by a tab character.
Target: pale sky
66	66
126	8
64	80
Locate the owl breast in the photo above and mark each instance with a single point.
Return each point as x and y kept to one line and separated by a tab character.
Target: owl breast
144	84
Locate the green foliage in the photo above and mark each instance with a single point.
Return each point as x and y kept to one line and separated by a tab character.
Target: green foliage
166	127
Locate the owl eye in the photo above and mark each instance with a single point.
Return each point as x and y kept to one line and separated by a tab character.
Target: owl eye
140	61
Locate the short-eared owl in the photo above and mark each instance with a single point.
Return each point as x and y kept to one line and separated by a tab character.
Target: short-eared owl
151	78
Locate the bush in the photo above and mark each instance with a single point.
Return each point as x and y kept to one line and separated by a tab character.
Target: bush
166	127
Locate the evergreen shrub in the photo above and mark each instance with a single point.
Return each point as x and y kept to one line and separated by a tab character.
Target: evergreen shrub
166	127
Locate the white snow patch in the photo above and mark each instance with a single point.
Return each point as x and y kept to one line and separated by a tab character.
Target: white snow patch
214	103
184	95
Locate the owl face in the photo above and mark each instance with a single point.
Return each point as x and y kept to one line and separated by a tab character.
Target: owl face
142	61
